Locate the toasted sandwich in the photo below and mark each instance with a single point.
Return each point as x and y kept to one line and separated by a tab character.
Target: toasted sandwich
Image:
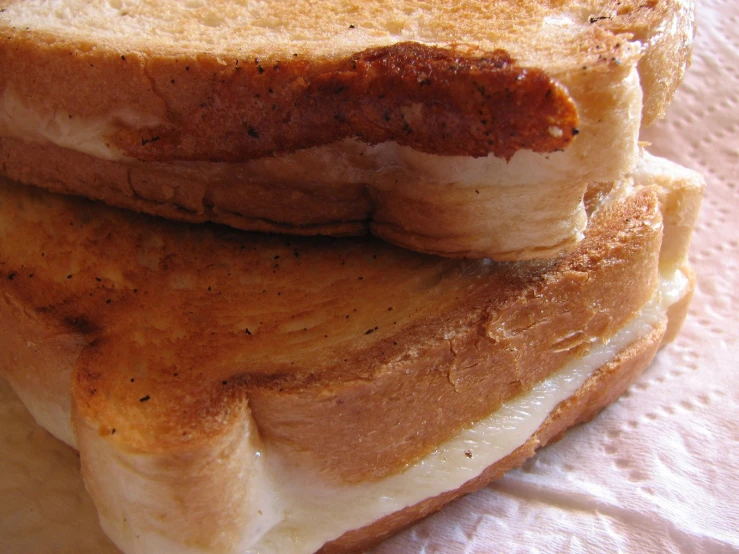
233	392
466	129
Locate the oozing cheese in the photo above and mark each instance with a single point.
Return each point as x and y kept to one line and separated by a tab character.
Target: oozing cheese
312	511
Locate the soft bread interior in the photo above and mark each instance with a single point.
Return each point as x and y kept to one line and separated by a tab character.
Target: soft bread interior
171	419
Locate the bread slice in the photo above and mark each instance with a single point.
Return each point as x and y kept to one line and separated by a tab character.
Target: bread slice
225	389
465	130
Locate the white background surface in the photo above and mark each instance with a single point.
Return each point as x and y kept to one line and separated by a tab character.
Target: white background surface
656	472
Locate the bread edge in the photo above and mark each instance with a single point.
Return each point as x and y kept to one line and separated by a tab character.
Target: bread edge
601	389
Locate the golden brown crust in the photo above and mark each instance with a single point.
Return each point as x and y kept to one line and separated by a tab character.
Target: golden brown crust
435	100
312	329
236	103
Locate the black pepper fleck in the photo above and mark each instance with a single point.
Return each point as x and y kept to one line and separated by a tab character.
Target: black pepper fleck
145	398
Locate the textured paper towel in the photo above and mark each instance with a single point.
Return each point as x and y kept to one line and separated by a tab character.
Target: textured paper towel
657	472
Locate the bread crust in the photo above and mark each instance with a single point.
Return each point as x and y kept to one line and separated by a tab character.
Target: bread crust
435	100
458	100
174	76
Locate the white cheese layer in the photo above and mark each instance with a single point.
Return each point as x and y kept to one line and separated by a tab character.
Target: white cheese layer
315	511
19	120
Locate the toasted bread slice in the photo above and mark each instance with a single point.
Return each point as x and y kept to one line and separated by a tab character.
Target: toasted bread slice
224	388
469	130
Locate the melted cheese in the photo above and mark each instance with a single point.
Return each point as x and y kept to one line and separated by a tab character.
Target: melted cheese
18	120
312	511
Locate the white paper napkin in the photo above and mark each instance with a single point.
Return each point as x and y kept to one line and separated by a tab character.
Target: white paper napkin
656	472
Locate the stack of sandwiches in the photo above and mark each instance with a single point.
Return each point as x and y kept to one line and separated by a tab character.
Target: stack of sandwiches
292	276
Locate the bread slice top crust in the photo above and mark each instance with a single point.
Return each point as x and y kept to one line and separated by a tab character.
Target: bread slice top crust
224	81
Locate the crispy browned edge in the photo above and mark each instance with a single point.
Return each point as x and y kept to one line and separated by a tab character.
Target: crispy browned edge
599	391
471	102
